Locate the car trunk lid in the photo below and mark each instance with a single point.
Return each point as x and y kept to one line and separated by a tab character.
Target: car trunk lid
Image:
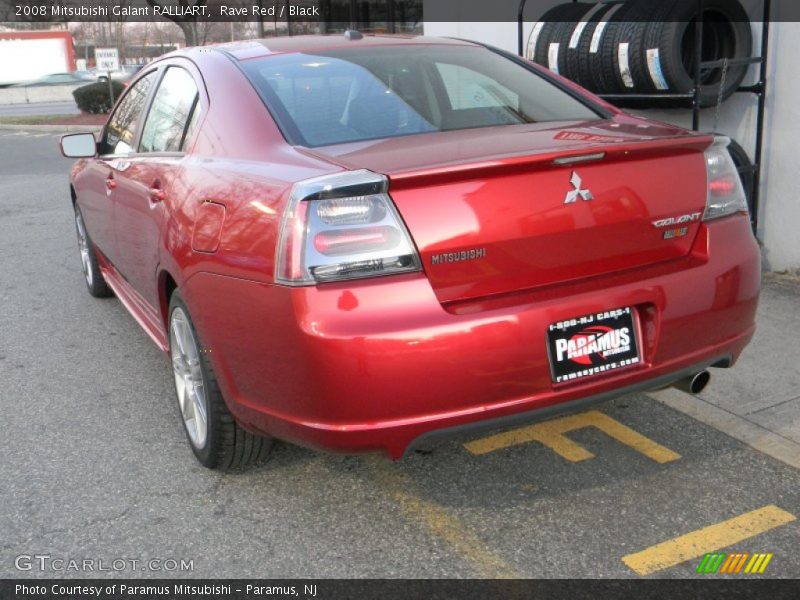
499	210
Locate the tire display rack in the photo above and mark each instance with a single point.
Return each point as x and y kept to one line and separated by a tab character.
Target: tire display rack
691	100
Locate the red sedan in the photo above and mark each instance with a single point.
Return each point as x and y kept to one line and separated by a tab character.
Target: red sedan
356	243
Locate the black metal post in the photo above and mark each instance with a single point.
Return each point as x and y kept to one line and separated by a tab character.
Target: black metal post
762	101
110	90
698	41
520	25
390	16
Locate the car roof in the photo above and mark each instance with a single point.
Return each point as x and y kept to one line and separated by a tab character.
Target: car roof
309	43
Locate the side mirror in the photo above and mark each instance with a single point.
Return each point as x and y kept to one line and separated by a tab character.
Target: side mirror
78	145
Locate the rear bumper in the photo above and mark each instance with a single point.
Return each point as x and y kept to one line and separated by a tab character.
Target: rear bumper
539	414
379	365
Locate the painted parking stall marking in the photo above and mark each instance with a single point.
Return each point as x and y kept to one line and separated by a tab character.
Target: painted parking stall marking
441	523
708	540
551	434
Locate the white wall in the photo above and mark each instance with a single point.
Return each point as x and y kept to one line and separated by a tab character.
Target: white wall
779	215
28	59
503	35
42	93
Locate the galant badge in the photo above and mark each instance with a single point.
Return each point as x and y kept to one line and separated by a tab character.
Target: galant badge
680	220
572	195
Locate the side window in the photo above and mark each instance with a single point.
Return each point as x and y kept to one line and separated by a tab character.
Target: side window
121	128
469	89
173	113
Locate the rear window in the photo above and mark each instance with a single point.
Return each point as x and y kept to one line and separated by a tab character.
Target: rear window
349	95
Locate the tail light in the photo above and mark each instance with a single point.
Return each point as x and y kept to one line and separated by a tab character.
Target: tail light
342	226
725	192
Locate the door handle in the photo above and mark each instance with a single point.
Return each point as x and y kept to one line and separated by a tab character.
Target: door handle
156	193
111	184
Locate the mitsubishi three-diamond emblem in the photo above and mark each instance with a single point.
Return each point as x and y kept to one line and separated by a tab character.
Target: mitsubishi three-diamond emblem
572	195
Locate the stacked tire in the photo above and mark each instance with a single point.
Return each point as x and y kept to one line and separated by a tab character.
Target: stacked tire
644	47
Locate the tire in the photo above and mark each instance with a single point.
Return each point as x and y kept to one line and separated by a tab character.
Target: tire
224	444
581	62
649	49
559	22
726	34
641	15
95	282
617	32
741	160
563	37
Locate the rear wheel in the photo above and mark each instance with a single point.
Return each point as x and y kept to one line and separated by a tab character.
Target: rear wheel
216	439
91	271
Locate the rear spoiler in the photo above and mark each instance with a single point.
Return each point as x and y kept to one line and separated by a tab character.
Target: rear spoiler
525	163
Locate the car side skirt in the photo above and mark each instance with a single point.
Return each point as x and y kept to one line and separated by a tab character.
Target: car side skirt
144	314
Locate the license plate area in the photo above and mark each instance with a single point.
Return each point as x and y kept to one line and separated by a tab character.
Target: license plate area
593	345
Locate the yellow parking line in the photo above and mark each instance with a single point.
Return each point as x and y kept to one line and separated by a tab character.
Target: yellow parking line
551	434
561	445
709	539
439	522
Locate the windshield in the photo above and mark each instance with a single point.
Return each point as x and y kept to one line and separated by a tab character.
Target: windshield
349	95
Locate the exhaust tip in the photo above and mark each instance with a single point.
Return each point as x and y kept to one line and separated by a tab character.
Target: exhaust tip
699	382
694	384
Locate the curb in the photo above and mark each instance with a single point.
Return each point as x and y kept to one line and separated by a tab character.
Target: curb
755	436
53	128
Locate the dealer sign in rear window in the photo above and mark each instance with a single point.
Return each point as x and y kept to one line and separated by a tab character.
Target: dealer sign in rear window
592	344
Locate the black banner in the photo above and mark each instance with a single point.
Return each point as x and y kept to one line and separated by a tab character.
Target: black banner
357	12
339	589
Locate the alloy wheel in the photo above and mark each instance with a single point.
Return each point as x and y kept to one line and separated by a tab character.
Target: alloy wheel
189	386
85	249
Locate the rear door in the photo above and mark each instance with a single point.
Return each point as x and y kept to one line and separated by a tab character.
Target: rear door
146	175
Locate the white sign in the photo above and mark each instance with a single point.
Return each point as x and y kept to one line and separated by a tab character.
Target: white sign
80	64
107	59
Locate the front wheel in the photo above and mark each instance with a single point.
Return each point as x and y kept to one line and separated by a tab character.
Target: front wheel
216	439
91	271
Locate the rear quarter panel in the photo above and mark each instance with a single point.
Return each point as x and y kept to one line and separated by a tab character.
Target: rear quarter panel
239	160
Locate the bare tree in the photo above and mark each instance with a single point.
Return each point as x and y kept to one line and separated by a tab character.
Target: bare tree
190	25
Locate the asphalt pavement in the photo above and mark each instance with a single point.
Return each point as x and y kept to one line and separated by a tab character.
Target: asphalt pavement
95	465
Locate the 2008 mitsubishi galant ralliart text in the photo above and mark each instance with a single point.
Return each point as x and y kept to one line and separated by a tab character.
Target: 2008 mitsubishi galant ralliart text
356	243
